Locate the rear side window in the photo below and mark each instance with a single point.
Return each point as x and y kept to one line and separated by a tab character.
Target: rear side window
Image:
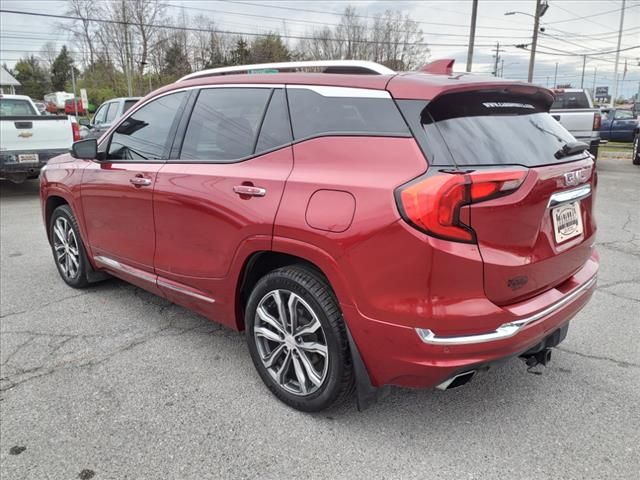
224	124
334	110
488	128
145	135
276	128
570	100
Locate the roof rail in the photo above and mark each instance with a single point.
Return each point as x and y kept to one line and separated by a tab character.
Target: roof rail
327	66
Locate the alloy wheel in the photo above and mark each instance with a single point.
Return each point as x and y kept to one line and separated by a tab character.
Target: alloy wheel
66	248
291	342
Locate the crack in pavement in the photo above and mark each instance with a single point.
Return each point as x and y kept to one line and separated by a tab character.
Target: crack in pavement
44	305
44	371
619	363
617	295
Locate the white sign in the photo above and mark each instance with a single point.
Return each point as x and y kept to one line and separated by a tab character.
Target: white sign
83	97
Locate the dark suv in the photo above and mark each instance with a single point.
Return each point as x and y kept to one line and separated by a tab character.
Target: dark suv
365	227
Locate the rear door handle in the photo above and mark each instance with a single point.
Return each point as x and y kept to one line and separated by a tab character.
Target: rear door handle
250	190
140	181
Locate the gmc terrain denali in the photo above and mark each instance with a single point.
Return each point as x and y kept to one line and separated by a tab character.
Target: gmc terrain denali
364	227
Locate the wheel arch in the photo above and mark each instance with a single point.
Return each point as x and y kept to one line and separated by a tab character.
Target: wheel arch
52	202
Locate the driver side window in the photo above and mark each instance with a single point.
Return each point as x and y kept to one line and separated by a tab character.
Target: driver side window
145	135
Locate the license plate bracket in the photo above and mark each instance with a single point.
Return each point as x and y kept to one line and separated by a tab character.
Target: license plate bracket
567	221
28	158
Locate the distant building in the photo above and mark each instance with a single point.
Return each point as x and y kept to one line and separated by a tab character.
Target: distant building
7	82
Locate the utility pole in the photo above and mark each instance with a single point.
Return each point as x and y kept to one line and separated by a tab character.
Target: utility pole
502	68
555	77
472	34
541	8
497	55
595	72
615	73
73	85
584	63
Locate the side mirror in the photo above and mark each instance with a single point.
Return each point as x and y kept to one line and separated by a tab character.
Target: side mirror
85	149
84	122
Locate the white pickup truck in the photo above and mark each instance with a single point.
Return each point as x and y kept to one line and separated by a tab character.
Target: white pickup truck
574	109
28	140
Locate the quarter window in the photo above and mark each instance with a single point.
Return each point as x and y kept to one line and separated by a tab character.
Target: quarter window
145	135
314	113
224	124
98	118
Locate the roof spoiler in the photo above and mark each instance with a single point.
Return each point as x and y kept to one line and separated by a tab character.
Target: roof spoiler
439	67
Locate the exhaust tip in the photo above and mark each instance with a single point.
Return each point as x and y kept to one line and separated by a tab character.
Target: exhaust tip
457	380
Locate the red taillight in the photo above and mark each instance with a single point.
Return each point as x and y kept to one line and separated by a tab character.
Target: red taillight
597	119
76	131
432	203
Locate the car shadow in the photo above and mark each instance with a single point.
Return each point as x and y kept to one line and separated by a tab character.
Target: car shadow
29	188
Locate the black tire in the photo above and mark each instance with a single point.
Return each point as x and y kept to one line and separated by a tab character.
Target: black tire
635	156
311	287
78	276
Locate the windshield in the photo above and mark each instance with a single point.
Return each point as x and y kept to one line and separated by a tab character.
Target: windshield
14	107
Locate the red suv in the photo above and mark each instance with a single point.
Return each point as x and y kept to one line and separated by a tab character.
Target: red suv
365	227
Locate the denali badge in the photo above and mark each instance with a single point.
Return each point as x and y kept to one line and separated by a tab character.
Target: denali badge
577	177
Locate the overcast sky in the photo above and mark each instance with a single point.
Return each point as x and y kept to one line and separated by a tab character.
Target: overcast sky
571	26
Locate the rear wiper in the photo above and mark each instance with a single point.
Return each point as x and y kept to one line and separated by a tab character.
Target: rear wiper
571	148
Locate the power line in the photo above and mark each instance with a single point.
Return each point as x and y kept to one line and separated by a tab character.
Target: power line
586	17
221	32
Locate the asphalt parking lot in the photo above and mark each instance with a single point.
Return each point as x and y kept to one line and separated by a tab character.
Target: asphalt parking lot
112	382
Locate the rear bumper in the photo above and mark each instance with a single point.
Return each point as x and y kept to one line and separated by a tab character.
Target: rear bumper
420	357
10	164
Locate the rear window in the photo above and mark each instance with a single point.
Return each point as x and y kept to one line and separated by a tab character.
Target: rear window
570	100
334	110
13	107
485	128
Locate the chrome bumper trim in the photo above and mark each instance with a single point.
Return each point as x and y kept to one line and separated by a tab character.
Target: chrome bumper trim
569	195
506	330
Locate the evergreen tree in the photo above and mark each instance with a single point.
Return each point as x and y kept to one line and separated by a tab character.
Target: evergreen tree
269	48
176	62
32	77
61	70
241	55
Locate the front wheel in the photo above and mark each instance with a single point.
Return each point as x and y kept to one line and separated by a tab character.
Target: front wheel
635	156
297	339
68	250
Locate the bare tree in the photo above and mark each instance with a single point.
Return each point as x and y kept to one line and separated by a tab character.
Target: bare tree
84	29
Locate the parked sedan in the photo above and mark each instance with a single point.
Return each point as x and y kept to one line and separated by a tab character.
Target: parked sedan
618	125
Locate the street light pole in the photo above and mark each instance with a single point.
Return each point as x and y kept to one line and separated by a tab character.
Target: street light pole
555	77
615	73
472	34
584	63
541	8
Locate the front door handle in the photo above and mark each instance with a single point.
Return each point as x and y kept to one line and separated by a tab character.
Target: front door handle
140	181
250	190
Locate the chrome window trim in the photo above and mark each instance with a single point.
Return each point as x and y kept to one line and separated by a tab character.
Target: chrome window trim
506	330
348	92
566	196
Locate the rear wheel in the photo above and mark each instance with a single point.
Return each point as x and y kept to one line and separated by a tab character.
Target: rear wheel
297	339
68	250
635	157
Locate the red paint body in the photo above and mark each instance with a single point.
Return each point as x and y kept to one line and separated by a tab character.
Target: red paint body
330	201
